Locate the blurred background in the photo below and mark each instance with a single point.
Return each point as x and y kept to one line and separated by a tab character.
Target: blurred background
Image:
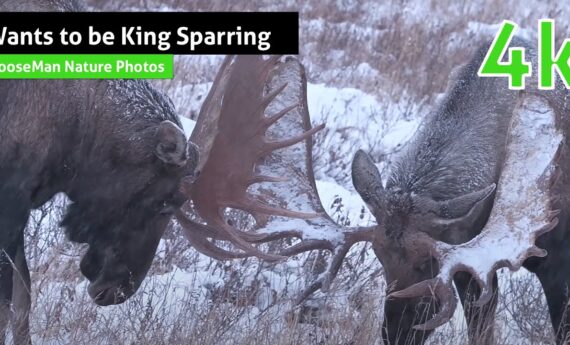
375	69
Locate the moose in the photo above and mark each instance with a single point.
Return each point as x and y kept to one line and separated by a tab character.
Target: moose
115	148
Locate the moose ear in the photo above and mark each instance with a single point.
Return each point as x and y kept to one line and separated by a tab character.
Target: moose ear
367	180
171	144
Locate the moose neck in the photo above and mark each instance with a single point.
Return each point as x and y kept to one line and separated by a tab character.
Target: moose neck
461	145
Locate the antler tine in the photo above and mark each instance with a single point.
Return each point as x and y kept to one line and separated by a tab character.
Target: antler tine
509	236
324	281
444	294
197	234
214	233
265	178
338	251
253	206
196	231
276	145
267	99
204	246
272	119
192	228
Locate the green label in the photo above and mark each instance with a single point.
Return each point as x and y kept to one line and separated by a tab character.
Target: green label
96	66
516	68
548	59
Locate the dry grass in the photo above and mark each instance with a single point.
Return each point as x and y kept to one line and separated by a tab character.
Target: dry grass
242	308
393	48
169	309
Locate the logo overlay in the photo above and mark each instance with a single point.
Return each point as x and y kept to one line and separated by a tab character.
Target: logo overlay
516	68
110	45
103	66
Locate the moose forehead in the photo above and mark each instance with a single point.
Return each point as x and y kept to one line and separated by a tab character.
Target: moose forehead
136	98
398	200
396	212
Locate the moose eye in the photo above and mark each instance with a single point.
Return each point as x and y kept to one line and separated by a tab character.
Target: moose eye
167	210
177	200
172	204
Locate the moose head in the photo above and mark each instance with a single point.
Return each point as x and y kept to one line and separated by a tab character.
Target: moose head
121	206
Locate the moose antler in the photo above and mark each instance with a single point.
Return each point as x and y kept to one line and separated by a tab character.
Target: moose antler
522	211
261	165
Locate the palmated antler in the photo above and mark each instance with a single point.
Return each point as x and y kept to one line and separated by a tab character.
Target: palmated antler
522	211
254	136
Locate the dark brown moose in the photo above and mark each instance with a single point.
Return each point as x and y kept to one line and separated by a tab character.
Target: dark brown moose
115	148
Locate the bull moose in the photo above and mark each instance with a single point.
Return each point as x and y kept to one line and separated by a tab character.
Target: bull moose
115	148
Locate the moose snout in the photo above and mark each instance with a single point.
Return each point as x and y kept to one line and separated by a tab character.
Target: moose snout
104	296
113	287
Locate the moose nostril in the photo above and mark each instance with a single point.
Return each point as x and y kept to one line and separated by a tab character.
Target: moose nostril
101	295
110	296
